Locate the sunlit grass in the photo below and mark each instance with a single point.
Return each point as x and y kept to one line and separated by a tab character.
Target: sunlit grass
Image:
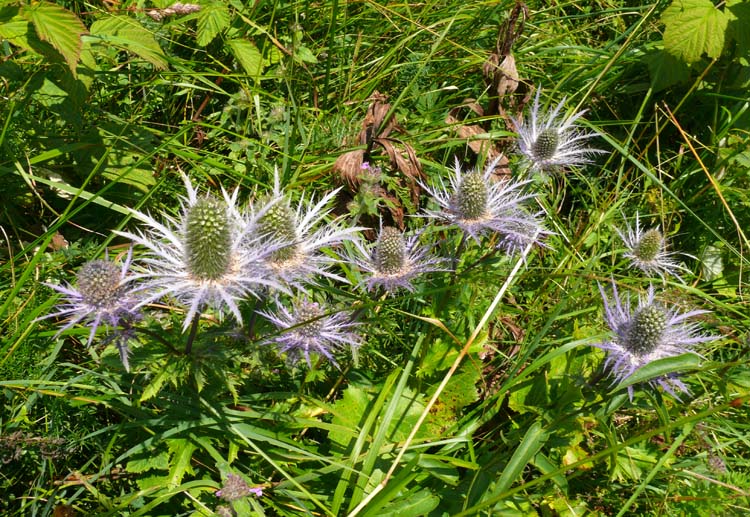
476	391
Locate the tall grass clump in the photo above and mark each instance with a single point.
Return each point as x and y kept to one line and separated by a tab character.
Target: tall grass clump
371	259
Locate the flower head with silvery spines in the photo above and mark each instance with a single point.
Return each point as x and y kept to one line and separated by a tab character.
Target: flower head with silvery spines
206	257
308	329
394	260
550	141
479	204
647	251
646	334
102	295
301	234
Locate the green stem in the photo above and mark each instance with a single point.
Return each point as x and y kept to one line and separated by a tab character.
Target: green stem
193	333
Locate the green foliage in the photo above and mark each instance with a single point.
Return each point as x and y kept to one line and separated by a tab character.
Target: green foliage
694	28
104	108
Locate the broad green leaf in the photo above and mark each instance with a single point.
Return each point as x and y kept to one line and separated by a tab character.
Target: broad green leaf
442	470
694	28
738	12
532	441
661	367
59	27
460	391
127	33
712	263
419	503
665	69
212	19
248	56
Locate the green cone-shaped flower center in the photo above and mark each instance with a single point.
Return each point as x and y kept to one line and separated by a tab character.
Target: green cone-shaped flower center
649	246
209	241
99	283
308	315
545	145
279	225
390	251
646	330
471	197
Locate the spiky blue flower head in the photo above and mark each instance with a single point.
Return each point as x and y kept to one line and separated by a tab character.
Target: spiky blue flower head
204	258
308	328
650	332
103	294
299	235
550	141
478	203
647	251
394	260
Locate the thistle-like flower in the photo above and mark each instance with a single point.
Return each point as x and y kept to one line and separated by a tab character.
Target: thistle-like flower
309	329
204	258
479	204
103	294
650	332
394	260
647	251
550	142
235	487
300	235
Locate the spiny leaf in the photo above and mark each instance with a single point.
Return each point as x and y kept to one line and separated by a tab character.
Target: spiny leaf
128	33
213	19
60	28
182	452
694	28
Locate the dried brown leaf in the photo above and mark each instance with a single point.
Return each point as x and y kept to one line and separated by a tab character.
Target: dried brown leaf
349	167
410	166
500	71
374	124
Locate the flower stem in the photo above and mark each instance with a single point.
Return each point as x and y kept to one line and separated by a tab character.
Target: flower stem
191	336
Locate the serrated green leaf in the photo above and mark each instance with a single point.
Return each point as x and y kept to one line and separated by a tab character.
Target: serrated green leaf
151	462
212	19
155	385
248	56
182	452
59	27
694	28
127	33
